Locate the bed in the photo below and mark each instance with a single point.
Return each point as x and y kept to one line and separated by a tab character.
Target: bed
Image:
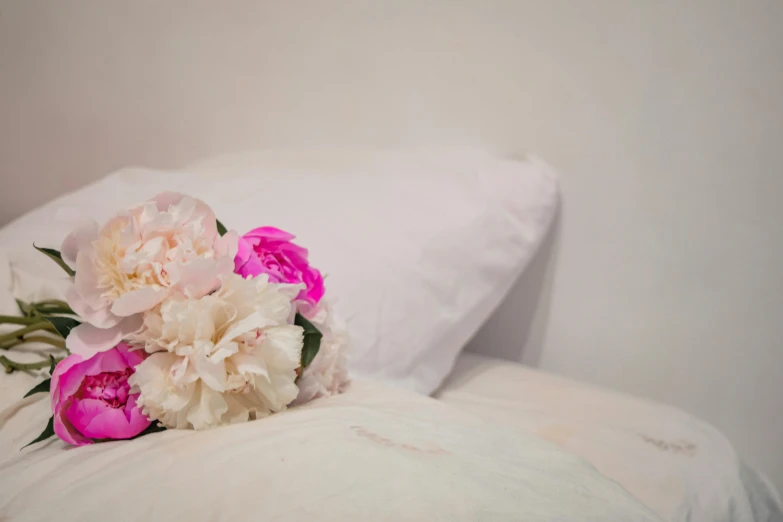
679	466
372	453
497	441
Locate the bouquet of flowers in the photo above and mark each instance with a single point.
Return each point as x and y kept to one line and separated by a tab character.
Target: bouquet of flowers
171	321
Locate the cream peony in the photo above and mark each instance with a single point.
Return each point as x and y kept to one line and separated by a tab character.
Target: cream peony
327	374
165	247
226	357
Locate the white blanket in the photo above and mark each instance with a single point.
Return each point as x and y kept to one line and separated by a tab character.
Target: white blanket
679	466
373	453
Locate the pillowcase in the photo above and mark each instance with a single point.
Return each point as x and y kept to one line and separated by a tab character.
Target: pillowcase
418	246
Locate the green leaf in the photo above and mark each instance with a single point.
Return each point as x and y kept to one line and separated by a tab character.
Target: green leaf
52	363
55	256
45	434
24	308
312	340
42	386
63	325
221	228
152	428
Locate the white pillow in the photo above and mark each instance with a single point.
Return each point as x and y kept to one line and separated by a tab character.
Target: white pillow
418	246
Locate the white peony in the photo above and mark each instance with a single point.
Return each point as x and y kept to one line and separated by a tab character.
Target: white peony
327	373
226	357
164	247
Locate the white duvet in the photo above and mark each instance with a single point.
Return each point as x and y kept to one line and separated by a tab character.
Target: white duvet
680	467
373	453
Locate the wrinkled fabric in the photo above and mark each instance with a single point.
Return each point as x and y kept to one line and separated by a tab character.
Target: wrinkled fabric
679	466
372	453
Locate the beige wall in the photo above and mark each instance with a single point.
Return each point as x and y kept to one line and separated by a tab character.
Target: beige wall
664	118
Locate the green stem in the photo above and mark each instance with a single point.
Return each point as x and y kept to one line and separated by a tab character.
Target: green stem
7	345
13	319
18	334
53	307
57	343
12	366
52	302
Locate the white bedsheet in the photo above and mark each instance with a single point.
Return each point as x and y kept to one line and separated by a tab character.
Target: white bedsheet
373	453
680	467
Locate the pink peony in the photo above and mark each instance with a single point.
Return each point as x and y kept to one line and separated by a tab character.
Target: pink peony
167	246
91	398
269	250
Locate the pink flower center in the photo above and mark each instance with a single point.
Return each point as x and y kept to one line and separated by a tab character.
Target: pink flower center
279	268
109	387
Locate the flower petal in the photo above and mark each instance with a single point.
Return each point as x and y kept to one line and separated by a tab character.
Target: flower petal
195	278
85	280
164	200
82	412
212	373
87	340
65	430
211	406
315	285
249	323
224	350
138	301
97	420
101	318
228	245
133	357
60	370
247	364
270	233
137	421
80	238
244	252
282	346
